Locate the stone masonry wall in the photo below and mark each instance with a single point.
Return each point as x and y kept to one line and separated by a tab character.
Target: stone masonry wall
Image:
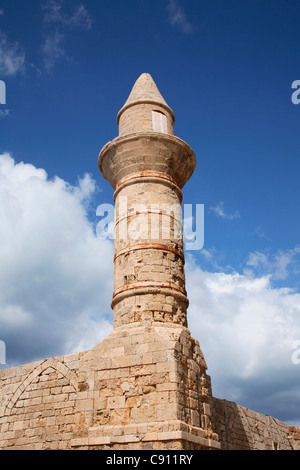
145	386
242	429
149	254
139	118
141	388
38	404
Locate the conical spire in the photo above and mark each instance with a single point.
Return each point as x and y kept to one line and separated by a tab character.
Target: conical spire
145	91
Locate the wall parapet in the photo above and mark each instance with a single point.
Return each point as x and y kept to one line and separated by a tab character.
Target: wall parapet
242	429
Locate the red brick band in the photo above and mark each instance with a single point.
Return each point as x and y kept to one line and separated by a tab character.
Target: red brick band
147	174
148	211
146	246
149	284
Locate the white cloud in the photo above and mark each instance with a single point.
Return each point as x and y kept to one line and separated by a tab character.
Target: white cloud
56	286
13	316
85	189
53	11
1	11
278	265
12	57
80	17
261	234
246	330
212	259
53	50
177	17
56	275
219	211
4	113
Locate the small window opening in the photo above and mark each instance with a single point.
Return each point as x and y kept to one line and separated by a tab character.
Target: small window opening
159	122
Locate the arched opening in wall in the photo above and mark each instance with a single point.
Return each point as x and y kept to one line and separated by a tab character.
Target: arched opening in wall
41	414
159	122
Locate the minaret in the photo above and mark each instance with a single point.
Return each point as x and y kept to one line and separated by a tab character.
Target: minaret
151	387
147	167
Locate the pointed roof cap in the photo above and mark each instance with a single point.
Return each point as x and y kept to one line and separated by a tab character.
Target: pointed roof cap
145	91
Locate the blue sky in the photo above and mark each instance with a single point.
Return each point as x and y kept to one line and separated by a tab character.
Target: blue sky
226	69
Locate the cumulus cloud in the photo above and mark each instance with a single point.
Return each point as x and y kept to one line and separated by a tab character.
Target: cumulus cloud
219	211
177	17
56	275
12	56
56	285
246	329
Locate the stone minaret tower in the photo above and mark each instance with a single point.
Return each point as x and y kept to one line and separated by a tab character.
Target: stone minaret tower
161	389
147	166
145	386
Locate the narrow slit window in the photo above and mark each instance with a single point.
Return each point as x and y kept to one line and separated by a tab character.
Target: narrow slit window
159	122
